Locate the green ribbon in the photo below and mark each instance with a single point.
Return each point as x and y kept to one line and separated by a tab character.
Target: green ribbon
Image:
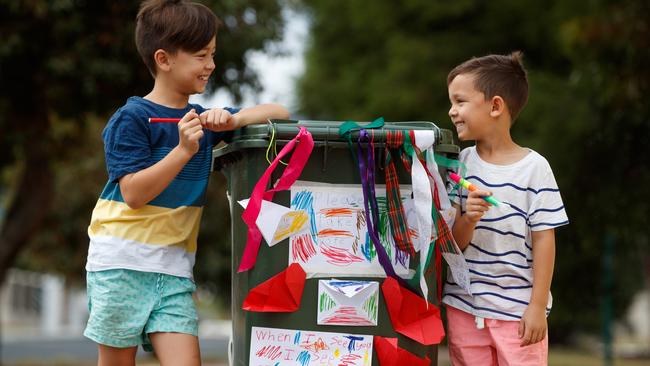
346	128
451	163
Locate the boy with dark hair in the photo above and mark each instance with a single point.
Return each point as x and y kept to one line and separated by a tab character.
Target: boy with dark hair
143	231
510	249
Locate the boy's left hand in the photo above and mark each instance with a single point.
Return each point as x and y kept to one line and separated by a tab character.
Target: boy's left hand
532	326
218	119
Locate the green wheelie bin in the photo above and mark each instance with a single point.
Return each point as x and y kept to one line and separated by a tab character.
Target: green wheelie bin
243	161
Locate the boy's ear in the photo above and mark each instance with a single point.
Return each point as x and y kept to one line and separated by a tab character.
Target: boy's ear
162	59
498	106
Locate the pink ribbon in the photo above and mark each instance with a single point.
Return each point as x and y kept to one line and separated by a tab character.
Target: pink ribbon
305	145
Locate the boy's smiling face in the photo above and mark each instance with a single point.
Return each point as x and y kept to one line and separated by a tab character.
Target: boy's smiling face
190	71
469	111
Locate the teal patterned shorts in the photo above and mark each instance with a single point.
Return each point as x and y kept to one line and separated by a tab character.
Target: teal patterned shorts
127	305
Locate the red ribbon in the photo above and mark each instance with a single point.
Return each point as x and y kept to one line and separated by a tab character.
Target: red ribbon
305	145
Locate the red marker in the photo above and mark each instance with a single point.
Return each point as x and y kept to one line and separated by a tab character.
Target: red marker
163	120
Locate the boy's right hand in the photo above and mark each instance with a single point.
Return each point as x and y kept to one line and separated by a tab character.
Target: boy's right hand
190	132
476	206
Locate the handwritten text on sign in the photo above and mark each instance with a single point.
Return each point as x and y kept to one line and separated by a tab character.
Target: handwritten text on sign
277	347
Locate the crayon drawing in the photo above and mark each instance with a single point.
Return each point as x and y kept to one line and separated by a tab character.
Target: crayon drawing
337	242
279	347
346	302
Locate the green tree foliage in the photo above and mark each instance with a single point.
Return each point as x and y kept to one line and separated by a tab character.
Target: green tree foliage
609	154
65	66
588	71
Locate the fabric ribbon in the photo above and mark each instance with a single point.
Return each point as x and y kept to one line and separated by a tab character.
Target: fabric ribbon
366	170
442	235
422	199
303	144
346	128
452	164
397	217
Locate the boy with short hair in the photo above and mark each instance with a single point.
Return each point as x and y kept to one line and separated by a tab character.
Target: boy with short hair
510	249
143	230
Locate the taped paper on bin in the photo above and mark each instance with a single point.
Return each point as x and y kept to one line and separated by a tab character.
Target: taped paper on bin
344	302
277	222
279	294
291	347
338	243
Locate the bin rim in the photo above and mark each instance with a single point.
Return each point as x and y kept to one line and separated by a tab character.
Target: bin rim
325	133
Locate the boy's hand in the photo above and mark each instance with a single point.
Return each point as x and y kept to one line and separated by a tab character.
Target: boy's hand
218	119
532	326
475	207
190	132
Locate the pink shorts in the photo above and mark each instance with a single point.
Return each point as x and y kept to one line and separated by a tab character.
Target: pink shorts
496	344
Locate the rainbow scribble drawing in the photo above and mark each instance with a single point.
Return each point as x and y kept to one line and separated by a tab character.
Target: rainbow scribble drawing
290	224
277	222
273	346
353	303
337	241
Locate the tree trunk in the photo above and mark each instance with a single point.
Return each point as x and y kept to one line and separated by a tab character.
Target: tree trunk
32	199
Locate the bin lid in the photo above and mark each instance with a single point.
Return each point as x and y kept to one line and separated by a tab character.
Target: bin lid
325	133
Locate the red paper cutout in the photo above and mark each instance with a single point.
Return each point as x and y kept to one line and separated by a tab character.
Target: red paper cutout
410	315
391	355
279	294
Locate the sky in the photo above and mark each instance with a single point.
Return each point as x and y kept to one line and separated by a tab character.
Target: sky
277	74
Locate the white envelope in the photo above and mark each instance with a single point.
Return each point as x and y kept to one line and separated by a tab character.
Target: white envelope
459	270
277	222
347	302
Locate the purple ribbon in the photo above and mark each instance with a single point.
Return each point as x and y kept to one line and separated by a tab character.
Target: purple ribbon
367	172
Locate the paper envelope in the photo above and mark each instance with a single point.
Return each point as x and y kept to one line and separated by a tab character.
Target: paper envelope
277	222
344	302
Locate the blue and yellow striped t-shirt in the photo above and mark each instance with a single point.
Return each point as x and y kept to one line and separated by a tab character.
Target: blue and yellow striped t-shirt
161	236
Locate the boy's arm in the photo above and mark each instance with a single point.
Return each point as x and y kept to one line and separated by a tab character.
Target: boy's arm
533	326
221	120
475	208
259	114
141	187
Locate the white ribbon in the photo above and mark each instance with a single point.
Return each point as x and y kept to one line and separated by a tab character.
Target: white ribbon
423	201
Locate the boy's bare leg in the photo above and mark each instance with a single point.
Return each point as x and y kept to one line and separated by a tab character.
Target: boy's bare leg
176	349
109	356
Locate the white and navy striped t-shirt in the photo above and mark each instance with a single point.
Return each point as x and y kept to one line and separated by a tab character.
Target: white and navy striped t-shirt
500	255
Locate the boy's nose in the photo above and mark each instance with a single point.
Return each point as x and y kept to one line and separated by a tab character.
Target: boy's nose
211	65
452	111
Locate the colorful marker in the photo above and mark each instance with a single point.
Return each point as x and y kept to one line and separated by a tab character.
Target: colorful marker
164	120
470	187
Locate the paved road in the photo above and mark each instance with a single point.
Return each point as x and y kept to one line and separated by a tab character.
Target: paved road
77	350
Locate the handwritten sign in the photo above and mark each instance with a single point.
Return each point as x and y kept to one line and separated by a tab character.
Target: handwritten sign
278	347
337	242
